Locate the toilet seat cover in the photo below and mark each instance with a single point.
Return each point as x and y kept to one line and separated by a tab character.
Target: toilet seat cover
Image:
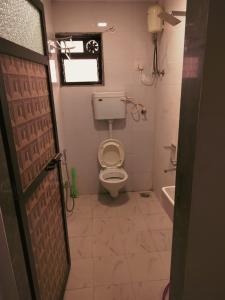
111	153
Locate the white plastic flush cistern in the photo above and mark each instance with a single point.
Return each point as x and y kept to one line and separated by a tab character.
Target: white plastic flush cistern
109	105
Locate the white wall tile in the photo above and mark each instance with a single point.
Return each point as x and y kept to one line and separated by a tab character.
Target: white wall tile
56	86
168	92
130	43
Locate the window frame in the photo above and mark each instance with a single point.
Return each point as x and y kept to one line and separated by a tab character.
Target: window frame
99	56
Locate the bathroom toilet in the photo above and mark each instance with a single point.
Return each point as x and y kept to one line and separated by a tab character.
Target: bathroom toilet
110	107
111	158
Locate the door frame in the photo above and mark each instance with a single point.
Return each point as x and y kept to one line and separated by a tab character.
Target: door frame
191	97
20	196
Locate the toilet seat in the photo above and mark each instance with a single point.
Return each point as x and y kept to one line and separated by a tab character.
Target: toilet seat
113	175
111	153
111	157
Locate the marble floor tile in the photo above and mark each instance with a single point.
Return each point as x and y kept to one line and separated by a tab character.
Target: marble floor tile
139	242
132	224
146	267
120	248
129	209
101	210
134	196
111	270
79	294
149	206
81	247
158	221
105	226
162	239
81	274
86	200
114	292
150	290
80	227
107	245
83	211
124	199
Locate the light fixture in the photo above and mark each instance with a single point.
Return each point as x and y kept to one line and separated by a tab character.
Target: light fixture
102	24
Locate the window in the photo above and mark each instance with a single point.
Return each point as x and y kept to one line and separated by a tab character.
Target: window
82	63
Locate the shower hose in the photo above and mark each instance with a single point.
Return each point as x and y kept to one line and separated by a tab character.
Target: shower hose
70	190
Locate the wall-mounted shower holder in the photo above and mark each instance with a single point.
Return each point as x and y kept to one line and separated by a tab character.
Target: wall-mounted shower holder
173	151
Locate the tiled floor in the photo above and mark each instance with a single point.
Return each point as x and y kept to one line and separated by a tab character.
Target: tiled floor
120	248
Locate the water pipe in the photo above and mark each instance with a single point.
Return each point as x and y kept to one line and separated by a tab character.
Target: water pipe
70	187
110	128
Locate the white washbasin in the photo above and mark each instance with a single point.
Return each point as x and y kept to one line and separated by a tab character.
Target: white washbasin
168	196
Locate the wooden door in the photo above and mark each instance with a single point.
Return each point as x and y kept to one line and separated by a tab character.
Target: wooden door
30	137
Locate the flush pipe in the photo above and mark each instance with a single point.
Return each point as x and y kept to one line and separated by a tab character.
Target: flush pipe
110	122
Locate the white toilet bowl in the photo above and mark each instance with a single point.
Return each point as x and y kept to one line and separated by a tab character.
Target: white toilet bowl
113	179
111	157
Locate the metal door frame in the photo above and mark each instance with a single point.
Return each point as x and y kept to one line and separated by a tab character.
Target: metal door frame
191	97
20	196
7	278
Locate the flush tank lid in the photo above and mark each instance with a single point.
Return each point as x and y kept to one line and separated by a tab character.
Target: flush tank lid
111	153
109	94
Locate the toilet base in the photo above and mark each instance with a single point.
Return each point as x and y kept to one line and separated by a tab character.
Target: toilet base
114	194
113	180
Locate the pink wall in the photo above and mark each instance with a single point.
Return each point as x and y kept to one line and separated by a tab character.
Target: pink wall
168	93
53	57
131	43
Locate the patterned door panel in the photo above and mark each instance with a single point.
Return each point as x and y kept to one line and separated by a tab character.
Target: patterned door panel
27	95
45	225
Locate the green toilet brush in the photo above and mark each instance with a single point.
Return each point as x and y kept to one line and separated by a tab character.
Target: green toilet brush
73	190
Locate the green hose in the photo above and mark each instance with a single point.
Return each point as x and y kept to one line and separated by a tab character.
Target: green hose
73	191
